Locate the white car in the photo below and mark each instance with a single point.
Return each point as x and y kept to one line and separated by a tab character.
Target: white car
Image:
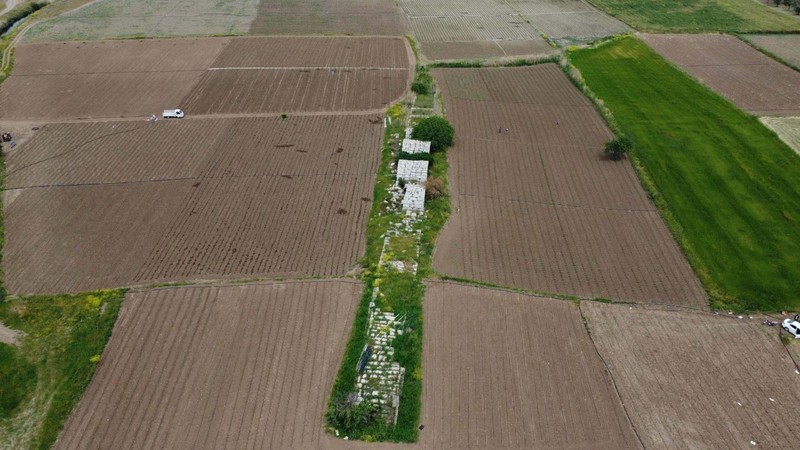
792	327
172	114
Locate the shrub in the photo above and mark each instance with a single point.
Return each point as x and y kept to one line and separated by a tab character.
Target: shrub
348	416
435	129
618	147
434	188
423	82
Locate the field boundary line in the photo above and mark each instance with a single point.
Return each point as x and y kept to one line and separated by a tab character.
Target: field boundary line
610	375
565	205
305	68
168	180
200	284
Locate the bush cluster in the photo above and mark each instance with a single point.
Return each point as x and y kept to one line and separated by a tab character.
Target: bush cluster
435	129
423	82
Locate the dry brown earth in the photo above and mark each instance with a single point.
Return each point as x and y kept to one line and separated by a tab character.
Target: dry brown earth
696	380
538	207
504	370
353	17
288	52
217	367
256	90
65	81
124	203
784	46
748	78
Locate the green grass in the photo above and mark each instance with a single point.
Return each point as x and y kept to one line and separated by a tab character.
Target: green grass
424	101
63	333
727	186
694	16
17	379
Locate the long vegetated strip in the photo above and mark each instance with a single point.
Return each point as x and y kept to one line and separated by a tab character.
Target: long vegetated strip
729	188
403	292
694	16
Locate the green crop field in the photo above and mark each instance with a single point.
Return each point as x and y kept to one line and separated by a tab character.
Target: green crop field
694	16
729	188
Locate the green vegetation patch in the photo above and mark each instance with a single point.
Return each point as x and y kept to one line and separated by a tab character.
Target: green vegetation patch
694	16
727	186
65	335
17	379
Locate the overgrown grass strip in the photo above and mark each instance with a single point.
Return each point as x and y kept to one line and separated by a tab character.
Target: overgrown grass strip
728	187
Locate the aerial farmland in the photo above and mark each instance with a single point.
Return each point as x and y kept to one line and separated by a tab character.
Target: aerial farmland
369	224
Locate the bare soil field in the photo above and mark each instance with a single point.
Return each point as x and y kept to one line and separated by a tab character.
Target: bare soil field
115	19
144	55
217	367
784	46
124	203
748	78
270	90
696	380
62	81
79	238
352	17
538	207
787	128
578	26
496	375
293	52
103	79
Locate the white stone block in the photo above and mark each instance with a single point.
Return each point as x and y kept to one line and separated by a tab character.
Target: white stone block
412	170
415	146
414	200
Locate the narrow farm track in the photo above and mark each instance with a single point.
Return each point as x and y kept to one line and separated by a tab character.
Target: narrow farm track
217	367
535	204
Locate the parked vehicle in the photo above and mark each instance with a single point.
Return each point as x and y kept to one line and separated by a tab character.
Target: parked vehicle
172	114
792	327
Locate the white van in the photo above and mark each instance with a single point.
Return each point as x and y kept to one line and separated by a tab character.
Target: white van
172	114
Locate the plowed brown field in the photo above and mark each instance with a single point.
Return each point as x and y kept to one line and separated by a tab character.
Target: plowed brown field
217	367
103	79
696	380
121	203
290	90
538	207
62	81
748	78
504	370
356	17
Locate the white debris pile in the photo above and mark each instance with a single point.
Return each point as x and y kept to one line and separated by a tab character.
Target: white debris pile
414	198
415	146
412	170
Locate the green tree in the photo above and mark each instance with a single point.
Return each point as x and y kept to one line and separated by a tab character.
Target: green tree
618	147
435	129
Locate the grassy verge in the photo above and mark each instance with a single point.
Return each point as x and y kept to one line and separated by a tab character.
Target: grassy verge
695	16
64	337
727	186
